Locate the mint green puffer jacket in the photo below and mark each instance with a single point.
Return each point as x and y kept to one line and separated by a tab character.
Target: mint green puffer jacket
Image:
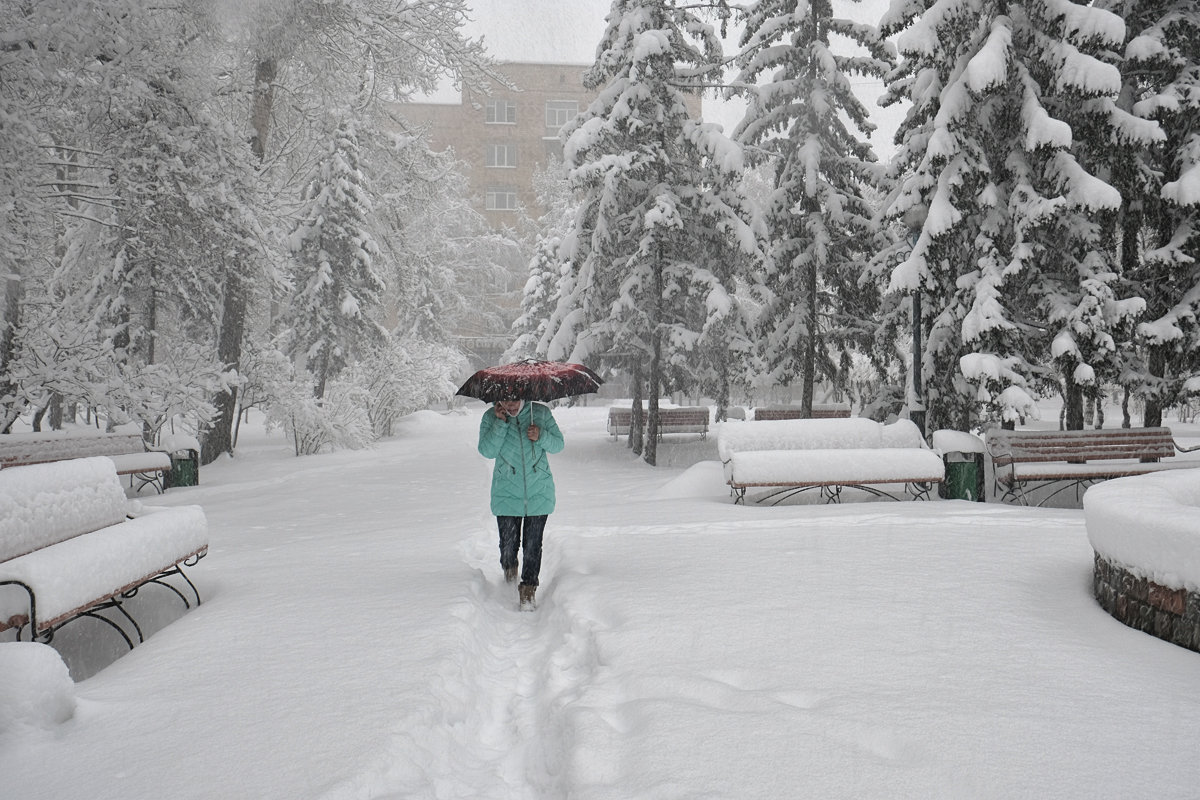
522	485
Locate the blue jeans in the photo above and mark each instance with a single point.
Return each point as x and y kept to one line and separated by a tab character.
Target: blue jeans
529	541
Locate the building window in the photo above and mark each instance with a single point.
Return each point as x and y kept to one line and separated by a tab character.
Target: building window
501	112
501	155
501	198
560	112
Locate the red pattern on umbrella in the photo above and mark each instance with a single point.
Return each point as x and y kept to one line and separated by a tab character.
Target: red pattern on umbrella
530	380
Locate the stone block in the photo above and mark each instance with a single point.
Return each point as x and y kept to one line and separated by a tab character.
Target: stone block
1181	633
1191	610
1134	587
1166	598
1161	625
1143	616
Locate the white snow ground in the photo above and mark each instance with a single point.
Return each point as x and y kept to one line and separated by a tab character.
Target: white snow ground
357	641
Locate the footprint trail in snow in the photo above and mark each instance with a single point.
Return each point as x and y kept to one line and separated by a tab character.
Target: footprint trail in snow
493	725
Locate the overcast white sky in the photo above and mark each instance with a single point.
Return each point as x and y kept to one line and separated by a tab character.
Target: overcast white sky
567	32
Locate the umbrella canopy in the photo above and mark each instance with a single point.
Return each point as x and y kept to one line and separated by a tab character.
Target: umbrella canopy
530	380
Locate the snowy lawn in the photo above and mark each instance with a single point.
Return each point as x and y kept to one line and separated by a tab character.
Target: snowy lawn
357	641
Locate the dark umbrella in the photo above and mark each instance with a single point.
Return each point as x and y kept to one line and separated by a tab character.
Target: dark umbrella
530	380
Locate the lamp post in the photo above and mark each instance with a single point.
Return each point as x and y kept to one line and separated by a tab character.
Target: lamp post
914	220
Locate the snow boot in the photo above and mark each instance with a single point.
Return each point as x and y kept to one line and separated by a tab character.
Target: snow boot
525	591
510	574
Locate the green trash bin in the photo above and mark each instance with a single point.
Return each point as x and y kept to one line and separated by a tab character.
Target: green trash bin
185	469
964	477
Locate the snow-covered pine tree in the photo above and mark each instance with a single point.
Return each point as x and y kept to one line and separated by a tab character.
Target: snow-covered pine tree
805	122
656	186
333	311
1012	106
546	268
1160	186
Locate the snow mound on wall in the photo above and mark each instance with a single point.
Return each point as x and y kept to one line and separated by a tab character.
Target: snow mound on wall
1150	524
37	691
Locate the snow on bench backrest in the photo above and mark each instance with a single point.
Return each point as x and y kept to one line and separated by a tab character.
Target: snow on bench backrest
43	504
801	434
35	448
902	433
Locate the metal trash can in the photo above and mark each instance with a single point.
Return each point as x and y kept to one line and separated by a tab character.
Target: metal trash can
962	454
964	477
185	469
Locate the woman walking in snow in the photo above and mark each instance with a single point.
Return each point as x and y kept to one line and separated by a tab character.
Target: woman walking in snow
519	435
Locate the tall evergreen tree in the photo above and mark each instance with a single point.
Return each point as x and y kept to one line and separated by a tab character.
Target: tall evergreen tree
657	187
805	121
338	287
1002	156
1160	186
544	284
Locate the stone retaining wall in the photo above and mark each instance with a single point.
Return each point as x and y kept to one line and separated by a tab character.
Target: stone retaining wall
1169	614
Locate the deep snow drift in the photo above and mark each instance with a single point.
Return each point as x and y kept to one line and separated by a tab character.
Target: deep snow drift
357	641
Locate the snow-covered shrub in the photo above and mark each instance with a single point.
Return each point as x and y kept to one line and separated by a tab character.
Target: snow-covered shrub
337	421
58	358
403	377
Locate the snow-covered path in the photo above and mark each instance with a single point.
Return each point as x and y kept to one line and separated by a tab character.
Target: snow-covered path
357	642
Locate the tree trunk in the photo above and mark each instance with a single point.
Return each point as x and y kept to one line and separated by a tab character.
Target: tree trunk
809	356
219	437
56	411
8	349
321	373
722	393
1156	365
637	420
654	388
1073	404
264	99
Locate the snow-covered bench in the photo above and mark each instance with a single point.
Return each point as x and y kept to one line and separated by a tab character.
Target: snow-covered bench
792	456
127	451
670	420
72	544
1077	458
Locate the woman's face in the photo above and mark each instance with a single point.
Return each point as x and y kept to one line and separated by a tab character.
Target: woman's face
510	407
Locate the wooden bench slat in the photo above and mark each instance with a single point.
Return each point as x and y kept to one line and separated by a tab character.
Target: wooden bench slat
670	420
1025	457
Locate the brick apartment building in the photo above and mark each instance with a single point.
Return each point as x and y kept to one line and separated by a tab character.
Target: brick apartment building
504	138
